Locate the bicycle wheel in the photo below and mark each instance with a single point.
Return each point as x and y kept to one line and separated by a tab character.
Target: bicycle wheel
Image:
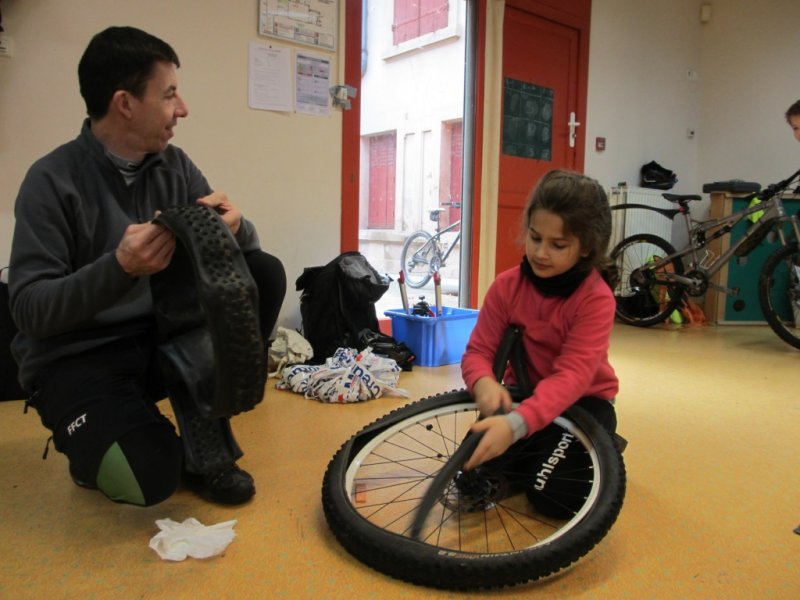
419	258
502	524
779	293
644	297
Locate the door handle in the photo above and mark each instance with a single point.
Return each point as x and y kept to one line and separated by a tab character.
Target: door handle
573	126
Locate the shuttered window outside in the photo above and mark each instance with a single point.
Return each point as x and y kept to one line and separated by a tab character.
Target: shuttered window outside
414	18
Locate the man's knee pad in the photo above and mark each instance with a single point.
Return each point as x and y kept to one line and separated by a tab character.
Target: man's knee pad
143	467
86	434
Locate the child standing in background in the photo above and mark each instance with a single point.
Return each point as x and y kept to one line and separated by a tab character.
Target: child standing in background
793	118
561	299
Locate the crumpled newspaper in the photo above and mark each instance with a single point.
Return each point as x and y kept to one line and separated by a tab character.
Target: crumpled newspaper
176	540
288	348
347	376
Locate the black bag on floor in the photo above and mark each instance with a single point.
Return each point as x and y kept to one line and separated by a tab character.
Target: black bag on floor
386	345
338	302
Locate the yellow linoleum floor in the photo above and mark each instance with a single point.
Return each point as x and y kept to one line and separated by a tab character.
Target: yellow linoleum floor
711	415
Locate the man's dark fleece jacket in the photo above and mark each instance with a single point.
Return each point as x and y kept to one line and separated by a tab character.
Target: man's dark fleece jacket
68	292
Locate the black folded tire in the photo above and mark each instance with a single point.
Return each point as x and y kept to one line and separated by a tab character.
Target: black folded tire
206	306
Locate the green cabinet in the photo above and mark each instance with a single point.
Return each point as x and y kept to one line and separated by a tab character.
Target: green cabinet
743	273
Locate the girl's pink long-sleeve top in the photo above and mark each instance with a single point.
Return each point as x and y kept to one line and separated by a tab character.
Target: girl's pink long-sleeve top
566	341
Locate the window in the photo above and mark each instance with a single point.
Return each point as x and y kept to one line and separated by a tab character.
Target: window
409	153
415	18
452	163
382	174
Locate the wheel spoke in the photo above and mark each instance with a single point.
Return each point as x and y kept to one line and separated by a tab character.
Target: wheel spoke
417	258
396	471
779	293
645	294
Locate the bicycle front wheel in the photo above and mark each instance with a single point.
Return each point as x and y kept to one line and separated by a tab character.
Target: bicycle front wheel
644	295
514	519
779	293
419	258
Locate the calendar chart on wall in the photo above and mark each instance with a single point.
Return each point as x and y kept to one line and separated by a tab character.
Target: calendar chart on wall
311	22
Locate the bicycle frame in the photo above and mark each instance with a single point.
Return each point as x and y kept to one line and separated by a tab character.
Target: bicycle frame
774	215
438	236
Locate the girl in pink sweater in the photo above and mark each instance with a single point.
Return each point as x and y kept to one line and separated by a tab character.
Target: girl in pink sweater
560	298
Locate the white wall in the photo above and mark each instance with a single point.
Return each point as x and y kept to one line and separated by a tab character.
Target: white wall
281	169
640	98
642	101
749	53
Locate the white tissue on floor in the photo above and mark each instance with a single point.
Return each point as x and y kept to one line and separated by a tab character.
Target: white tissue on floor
176	540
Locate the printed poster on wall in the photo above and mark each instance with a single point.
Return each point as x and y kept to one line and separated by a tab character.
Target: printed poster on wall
311	22
269	78
527	120
312	82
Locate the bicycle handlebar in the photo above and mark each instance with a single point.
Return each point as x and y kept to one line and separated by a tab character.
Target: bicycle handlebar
774	188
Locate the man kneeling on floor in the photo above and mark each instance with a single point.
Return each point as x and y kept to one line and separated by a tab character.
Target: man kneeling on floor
83	250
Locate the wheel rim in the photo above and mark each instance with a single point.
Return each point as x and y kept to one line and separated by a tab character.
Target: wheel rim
418	262
640	297
782	308
487	511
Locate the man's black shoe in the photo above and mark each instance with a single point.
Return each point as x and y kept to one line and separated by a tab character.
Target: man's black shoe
228	485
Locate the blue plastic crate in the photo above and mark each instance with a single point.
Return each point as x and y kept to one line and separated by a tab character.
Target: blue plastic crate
435	340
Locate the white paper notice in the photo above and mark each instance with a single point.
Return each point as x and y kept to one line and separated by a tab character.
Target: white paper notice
270	78
312	82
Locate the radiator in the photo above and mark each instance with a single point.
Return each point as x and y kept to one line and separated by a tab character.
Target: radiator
638	220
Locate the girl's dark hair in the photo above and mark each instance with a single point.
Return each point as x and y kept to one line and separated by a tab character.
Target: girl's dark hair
793	111
582	204
119	58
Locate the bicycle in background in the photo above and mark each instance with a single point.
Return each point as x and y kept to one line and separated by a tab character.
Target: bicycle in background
654	277
423	253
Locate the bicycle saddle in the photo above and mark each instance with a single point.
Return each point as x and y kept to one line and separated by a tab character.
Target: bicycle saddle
206	307
681	197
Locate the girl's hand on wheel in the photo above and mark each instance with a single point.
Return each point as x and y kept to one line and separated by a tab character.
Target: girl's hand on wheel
490	396
497	437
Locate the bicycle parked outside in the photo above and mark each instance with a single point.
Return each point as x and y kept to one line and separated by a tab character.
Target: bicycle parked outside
424	254
654	277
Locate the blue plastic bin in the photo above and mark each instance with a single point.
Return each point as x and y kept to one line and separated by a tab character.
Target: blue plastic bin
435	340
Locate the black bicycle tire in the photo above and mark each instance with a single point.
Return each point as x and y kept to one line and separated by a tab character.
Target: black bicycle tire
626	304
424	564
409	280
765	282
207	298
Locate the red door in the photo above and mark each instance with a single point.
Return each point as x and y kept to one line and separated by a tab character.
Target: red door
543	77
